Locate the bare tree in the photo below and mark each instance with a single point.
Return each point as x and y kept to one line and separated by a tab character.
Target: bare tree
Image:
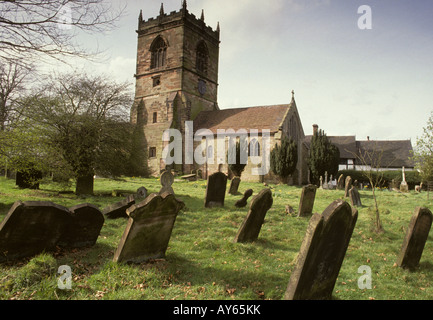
31	29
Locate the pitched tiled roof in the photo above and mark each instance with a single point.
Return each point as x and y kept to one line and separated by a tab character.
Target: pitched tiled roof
346	145
396	153
263	117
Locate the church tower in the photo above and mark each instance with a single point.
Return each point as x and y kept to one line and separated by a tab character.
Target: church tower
176	76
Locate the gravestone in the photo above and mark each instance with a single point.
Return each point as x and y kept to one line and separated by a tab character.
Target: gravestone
415	239
355	198
347	186
340	182
84	229
250	227
322	252
167	180
243	202
32	227
141	192
215	190
307	200
234	185
404	186
118	209
149	228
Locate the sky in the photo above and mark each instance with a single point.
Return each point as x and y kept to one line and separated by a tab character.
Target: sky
375	82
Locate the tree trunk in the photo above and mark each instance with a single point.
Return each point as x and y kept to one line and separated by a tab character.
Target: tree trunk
84	185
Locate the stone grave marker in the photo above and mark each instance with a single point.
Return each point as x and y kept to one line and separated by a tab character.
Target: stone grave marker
415	239
355	197
340	182
307	200
149	228
118	209
250	227
347	186
243	202
167	180
234	185
84	229
141	192
32	227
215	190
322	252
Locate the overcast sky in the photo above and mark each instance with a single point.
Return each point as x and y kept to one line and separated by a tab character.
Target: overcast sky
374	82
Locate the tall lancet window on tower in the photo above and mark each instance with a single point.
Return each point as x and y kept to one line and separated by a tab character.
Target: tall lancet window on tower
158	50
202	55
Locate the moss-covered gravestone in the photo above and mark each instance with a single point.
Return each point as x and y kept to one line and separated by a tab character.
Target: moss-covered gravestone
250	227
415	239
322	252
355	197
149	228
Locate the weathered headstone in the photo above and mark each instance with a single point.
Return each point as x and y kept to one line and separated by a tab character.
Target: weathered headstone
141	192
322	252
149	228
415	239
215	190
404	186
250	227
118	209
167	180
32	227
243	202
84	229
355	197
340	182
306	203
234	185
347	186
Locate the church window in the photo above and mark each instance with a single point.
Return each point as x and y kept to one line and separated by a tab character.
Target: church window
156	81
202	56
158	51
155	117
152	152
254	148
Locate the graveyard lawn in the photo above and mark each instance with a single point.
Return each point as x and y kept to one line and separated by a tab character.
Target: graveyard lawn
203	262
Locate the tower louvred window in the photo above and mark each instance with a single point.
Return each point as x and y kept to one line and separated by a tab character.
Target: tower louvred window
202	57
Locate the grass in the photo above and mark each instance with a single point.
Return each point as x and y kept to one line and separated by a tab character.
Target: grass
202	262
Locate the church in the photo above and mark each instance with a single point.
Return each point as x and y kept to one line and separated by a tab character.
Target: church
177	83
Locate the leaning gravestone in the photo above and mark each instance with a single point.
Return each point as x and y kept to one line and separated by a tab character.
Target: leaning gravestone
234	185
167	180
347	186
355	198
340	182
84	229
118	209
307	200
322	252
215	190
149	228
32	227
416	237
250	227
243	202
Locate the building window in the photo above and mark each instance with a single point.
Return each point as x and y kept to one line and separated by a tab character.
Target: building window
155	117
152	152
156	81
254	148
158	51
202	55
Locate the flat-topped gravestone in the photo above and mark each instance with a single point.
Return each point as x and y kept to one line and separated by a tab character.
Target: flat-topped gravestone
215	190
32	227
322	252
415	239
243	201
306	203
355	197
167	180
84	229
347	186
118	209
234	185
149	228
250	227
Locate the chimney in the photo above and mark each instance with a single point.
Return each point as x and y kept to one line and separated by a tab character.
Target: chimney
315	128
368	138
